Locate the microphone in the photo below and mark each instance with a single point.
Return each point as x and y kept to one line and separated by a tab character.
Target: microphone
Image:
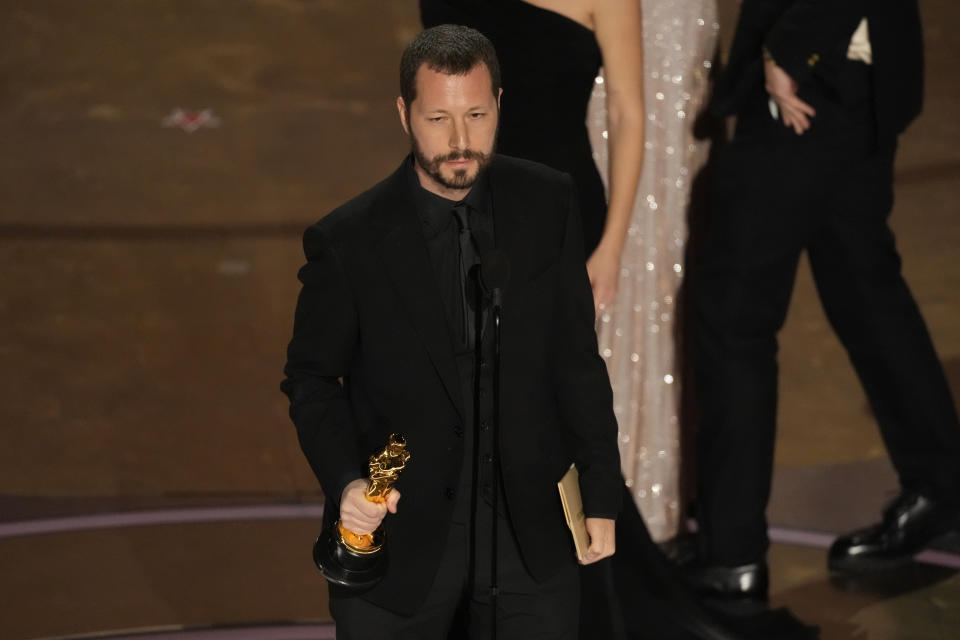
494	275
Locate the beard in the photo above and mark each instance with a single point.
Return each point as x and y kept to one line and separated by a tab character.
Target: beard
461	178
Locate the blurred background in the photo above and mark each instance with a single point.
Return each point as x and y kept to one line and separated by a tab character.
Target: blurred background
159	160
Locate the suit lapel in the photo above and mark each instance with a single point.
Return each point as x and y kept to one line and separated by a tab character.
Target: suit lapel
406	263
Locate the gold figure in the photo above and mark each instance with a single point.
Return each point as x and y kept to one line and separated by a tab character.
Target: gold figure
385	468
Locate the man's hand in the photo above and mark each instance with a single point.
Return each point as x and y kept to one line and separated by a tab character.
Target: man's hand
602	532
358	514
783	89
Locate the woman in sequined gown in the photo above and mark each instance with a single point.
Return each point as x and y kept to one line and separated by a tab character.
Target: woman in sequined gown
637	331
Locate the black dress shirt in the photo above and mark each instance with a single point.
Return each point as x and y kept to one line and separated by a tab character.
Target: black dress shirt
441	231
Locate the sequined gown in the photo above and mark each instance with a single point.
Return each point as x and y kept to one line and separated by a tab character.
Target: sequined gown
637	332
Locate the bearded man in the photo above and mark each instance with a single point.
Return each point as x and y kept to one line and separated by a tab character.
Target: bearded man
384	342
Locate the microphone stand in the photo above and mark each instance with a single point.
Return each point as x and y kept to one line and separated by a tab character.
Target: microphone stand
494	273
476	499
497	303
495	463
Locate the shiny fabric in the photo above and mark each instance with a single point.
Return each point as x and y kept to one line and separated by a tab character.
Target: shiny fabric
637	332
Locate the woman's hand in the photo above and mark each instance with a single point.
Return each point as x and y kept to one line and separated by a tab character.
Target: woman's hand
603	268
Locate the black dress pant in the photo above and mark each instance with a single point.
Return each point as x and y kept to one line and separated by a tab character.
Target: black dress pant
829	192
458	604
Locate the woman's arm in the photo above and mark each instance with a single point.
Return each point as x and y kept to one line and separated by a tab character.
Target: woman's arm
619	31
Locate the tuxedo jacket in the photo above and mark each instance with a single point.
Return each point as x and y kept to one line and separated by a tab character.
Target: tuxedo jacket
372	354
809	40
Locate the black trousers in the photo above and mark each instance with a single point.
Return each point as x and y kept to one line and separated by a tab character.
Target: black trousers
829	192
458	604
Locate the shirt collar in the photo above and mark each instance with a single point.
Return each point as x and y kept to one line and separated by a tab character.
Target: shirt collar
435	211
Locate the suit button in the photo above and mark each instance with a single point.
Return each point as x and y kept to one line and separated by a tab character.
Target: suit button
458	430
484	426
449	493
487	458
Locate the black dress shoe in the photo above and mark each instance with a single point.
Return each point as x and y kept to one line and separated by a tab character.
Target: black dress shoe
909	524
748	582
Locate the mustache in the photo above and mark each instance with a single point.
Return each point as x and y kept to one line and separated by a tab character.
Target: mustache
466	154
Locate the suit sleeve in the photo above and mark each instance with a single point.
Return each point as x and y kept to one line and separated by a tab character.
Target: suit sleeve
325	337
810	30
582	385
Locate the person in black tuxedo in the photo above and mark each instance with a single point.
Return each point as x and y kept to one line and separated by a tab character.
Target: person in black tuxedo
382	343
820	89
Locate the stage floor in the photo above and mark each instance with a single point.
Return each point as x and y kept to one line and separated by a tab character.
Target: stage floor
159	163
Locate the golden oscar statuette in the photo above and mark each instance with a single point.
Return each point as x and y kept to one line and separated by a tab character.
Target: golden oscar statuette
357	561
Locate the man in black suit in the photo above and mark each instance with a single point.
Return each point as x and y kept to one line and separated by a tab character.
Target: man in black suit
383	342
821	90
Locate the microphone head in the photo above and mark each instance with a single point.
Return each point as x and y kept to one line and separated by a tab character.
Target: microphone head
494	270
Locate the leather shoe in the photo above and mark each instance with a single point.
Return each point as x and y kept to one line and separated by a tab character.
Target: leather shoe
909	524
743	582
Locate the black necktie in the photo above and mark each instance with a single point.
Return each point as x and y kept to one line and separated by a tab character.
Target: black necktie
468	258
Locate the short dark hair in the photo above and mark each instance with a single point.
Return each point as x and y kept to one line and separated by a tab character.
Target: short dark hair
447	48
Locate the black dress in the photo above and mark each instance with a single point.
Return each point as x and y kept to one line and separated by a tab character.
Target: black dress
548	64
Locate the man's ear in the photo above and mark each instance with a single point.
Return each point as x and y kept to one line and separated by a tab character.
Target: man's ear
404	116
499	95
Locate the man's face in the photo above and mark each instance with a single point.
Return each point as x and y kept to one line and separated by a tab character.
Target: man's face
452	125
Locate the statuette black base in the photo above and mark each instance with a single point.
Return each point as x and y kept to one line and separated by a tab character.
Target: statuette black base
351	570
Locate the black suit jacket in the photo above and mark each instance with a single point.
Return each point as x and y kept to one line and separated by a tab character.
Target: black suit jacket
809	39
369	313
